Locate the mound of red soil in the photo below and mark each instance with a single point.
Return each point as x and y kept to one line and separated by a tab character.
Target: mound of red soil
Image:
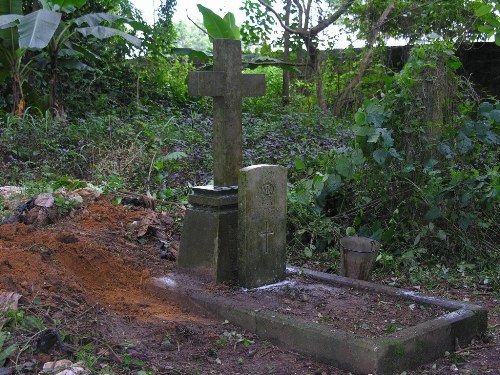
85	255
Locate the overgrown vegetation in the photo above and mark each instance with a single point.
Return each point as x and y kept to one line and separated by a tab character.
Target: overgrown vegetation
412	162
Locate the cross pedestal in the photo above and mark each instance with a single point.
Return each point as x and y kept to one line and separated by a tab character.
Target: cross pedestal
209	236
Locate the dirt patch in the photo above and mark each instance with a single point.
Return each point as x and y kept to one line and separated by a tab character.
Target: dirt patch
86	277
85	255
364	314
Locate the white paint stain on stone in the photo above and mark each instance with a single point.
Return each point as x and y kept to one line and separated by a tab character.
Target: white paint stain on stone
167	281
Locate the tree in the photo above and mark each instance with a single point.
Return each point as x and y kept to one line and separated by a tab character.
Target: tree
414	20
489	18
375	21
45	29
10	55
310	18
190	36
366	60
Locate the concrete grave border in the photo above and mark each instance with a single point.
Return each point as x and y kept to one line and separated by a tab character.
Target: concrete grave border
408	348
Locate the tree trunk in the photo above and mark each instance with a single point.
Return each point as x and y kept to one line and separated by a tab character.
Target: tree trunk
18	103
314	55
53	100
286	56
365	63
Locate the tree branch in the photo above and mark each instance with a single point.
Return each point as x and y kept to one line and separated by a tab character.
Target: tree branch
301	11
283	25
365	62
308	14
327	22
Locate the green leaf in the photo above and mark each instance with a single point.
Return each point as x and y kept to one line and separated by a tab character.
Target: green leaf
495	115
8	351
483	10
393	152
10	35
231	21
76	65
464	145
357	157
8	20
102	32
215	25
193	53
454	64
375	114
485	107
299	164
485	29
175	155
374	136
433	213
67	6
360	118
94	19
344	167
11	7
363	131
380	156
36	29
386	136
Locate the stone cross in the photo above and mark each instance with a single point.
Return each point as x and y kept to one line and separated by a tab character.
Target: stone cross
228	86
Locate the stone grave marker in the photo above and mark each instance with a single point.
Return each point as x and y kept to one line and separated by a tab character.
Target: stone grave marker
262	202
228	86
209	236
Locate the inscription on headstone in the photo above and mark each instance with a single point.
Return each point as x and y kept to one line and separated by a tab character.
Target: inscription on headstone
262	225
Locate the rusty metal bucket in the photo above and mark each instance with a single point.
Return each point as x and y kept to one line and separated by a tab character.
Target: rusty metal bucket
357	257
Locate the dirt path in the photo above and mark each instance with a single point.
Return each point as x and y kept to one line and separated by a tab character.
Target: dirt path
86	276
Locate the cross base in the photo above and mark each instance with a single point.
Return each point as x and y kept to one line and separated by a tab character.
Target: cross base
209	236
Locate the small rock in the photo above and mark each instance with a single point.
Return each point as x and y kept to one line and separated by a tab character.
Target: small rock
88	194
73	371
44	200
63	364
5	371
9	301
48	367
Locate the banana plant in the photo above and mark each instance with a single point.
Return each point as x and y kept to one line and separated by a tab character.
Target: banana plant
45	30
10	54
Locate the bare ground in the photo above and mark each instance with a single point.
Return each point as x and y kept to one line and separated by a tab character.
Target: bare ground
85	277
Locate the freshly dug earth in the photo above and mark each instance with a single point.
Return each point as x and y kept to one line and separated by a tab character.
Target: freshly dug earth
86	277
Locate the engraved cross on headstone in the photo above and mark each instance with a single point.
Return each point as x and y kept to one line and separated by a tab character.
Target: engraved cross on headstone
266	234
228	86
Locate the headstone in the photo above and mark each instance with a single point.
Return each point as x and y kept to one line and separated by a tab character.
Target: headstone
262	202
209	236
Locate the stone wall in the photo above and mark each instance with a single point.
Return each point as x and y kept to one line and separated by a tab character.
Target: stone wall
480	64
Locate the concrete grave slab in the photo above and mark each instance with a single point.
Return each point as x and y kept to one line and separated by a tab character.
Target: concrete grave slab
457	323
